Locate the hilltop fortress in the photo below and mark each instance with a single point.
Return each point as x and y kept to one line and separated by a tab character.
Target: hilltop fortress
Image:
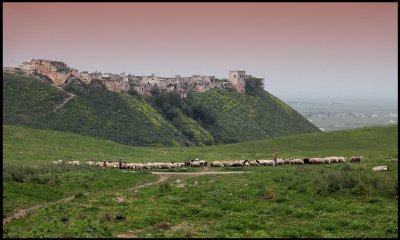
60	73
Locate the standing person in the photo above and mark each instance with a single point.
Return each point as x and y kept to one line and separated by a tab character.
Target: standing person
120	163
275	158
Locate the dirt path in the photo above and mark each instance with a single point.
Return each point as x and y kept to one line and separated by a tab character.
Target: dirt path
63	103
23	212
163	177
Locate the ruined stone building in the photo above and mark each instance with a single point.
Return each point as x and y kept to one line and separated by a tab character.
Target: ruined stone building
238	80
59	73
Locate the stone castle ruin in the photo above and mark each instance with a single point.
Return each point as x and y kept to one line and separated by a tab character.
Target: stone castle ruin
59	73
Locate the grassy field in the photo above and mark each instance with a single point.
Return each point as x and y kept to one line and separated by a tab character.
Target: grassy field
337	200
35	147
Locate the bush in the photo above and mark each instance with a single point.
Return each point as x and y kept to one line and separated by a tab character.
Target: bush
28	174
355	181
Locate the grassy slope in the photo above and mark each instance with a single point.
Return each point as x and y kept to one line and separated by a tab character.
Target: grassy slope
130	120
94	112
307	201
241	117
33	146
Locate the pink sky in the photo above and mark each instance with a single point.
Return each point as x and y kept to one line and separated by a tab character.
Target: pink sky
302	49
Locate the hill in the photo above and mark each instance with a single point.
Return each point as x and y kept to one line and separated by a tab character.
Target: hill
214	117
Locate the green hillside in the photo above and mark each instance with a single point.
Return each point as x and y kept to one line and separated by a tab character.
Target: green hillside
241	117
93	112
33	146
215	117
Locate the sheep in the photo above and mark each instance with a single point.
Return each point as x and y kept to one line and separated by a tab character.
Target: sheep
131	166
124	166
298	161
217	164
269	162
263	162
69	163
179	164
306	160
288	161
356	159
99	164
76	163
239	163
166	166
108	164
327	160
227	164
90	163
334	159
203	163
379	168
280	161
195	164
341	159
316	161
55	162
253	163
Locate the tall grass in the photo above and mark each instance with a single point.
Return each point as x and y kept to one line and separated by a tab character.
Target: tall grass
355	180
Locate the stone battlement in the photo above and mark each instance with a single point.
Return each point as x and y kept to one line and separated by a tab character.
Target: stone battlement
59	73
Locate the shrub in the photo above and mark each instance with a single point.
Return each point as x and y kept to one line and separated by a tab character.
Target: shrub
355	181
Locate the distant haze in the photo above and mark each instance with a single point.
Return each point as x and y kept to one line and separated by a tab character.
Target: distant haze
336	50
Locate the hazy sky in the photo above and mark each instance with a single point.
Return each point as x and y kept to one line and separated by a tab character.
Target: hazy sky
301	49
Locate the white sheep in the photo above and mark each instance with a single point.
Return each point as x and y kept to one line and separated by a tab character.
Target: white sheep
288	161
217	164
90	163
380	168
327	160
227	164
280	161
298	161
262	162
194	164
334	159
76	163
239	163
253	163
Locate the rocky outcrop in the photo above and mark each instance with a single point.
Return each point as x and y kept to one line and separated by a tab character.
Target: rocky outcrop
58	72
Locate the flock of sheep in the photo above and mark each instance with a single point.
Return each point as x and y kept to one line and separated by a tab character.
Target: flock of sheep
199	163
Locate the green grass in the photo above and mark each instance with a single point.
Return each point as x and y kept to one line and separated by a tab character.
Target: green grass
94	112
339	200
33	146
215	117
227	206
242	117
26	186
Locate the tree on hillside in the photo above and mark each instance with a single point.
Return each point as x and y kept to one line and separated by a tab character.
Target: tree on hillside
252	85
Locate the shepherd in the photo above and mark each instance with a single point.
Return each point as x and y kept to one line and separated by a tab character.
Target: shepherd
275	158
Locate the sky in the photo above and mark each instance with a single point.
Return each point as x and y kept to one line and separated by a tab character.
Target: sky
332	50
